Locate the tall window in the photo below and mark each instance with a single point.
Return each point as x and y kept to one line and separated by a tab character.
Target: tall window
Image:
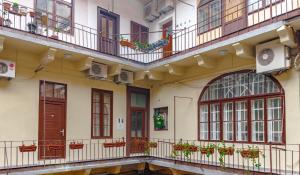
209	15
59	13
102	106
254	5
139	33
242	107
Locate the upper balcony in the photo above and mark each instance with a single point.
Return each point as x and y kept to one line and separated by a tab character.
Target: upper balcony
216	21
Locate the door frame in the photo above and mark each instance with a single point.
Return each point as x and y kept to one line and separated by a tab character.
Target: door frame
51	100
101	10
132	89
169	22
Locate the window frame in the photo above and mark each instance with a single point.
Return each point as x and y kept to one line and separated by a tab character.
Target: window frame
101	103
207	6
53	13
263	6
265	96
140	37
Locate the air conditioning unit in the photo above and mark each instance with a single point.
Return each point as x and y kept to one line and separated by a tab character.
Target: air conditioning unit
125	77
165	6
272	56
150	11
97	71
7	69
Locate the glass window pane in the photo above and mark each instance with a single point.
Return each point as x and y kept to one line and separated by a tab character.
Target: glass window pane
215	13
138	100
257	120
203	19
203	122
241	121
228	121
214	122
254	5
275	126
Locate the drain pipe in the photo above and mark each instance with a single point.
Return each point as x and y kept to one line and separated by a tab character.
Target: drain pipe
179	97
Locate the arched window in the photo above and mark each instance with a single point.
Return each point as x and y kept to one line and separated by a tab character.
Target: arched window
242	107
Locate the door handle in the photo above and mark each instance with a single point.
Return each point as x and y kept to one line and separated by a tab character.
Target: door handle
62	132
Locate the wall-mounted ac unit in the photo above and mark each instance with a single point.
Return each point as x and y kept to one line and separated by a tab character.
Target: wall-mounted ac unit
7	69
125	77
272	56
150	11
165	6
97	71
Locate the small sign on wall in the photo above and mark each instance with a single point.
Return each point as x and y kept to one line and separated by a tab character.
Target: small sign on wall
120	124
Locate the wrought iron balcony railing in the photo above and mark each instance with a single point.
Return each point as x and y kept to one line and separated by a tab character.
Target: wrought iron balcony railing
226	23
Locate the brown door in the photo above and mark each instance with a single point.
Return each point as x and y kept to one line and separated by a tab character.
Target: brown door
167	34
137	119
137	130
234	16
52	120
107	28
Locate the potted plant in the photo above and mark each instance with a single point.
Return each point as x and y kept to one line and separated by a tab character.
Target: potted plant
23	11
152	145
74	145
251	153
126	43
32	27
30	148
6	6
55	33
15	7
223	151
208	150
159	121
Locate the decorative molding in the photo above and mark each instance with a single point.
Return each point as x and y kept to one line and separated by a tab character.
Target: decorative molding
287	36
85	63
115	69
244	50
205	62
175	70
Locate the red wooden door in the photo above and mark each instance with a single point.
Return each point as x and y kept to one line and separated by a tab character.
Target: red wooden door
234	16
137	130
167	33
108	30
52	121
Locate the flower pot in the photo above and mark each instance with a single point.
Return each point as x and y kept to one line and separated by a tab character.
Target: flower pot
126	43
152	145
32	28
76	146
54	37
120	144
193	148
44	20
250	154
6	6
178	147
109	145
226	151
30	148
32	14
23	11
207	150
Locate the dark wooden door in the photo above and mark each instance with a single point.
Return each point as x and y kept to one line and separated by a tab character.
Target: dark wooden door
108	33
167	34
137	130
52	121
234	16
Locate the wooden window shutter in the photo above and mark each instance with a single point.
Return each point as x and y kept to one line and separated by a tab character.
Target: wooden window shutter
144	34
135	31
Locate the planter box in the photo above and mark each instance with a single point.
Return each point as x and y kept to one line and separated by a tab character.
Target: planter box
76	145
226	151
250	154
31	148
207	150
178	147
126	43
193	148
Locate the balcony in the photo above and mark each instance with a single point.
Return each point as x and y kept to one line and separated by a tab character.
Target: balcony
274	159
183	40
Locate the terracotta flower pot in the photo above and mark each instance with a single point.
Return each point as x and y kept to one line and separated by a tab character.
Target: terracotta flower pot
109	145
76	145
126	43
30	148
178	147
226	151
193	148
250	154
6	6
207	150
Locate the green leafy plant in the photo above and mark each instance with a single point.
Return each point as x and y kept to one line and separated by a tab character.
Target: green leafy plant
223	151
253	154
187	149
208	150
159	121
15	7
148	146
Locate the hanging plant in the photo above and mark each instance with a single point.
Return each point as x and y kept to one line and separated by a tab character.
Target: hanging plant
143	47
30	148
223	151
74	145
187	149
208	150
148	146
159	121
252	153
